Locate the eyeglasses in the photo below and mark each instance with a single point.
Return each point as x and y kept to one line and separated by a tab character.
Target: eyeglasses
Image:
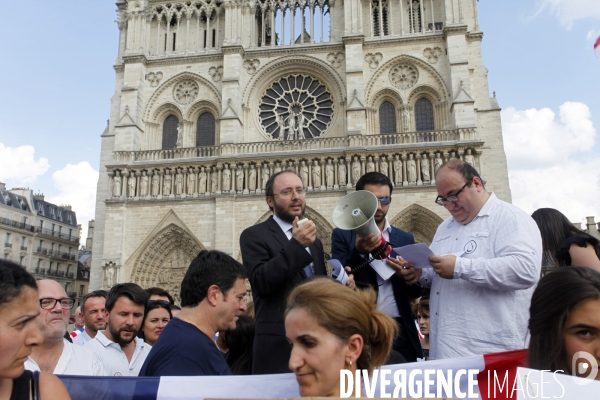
288	192
452	198
385	200
49	304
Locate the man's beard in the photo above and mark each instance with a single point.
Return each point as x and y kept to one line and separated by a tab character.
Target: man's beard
379	220
116	336
282	213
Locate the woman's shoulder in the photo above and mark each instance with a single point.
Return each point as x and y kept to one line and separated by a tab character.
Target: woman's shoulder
581	240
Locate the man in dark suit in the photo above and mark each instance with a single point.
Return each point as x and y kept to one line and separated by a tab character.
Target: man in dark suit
393	294
279	255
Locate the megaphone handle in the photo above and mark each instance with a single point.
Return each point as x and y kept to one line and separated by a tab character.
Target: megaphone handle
381	253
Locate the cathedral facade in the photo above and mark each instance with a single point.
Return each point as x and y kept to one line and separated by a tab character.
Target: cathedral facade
212	97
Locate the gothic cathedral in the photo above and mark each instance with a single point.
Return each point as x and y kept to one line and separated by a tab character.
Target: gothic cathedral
214	96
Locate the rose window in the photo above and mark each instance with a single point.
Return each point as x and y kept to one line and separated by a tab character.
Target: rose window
296	107
404	76
185	92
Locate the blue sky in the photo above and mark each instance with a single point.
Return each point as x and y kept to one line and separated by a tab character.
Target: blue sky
57	80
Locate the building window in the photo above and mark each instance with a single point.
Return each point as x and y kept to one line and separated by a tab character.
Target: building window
81	289
169	139
205	130
377	21
8	238
424	115
387	118
22	260
414	16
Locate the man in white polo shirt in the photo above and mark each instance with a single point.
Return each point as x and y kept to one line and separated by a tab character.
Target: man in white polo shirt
119	348
56	354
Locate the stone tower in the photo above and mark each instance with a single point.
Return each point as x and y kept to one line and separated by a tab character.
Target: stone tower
212	97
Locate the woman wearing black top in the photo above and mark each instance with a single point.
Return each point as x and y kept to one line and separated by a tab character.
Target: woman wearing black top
19	306
563	243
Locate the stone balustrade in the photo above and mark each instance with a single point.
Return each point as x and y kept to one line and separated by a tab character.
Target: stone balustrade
319	172
279	146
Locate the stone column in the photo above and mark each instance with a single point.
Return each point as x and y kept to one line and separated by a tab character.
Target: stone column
405	181
418	162
111	183
432	165
349	172
362	165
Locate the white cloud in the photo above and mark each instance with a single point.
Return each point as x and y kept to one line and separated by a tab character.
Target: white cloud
18	165
593	34
534	138
550	162
76	186
569	11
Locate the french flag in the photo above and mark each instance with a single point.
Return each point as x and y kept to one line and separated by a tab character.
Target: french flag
597	48
500	376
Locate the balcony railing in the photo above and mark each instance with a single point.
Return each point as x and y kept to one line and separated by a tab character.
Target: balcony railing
7	244
16	224
23	248
55	233
41	250
275	146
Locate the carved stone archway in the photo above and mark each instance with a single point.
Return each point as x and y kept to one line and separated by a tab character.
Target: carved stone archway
419	221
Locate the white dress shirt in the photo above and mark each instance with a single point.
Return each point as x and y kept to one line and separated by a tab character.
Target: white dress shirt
114	358
82	338
386	301
485	308
74	360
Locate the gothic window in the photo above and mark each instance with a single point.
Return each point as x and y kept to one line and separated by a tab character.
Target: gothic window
387	118
380	7
424	115
169	138
296	107
205	130
414	15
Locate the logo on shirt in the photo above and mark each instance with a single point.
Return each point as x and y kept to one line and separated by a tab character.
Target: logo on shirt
470	247
118	374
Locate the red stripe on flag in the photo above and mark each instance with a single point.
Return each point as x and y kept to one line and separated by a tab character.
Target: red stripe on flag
496	381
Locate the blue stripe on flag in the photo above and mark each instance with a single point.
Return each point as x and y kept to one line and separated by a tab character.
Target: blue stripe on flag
110	388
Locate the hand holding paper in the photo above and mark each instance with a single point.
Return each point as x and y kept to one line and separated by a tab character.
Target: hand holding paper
416	254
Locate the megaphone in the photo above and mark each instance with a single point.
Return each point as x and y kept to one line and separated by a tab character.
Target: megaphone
356	212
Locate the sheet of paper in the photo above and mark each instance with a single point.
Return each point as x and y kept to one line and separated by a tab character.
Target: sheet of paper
416	254
382	269
338	271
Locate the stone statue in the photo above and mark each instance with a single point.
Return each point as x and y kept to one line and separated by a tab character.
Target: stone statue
425	169
437	162
144	185
265	174
342	172
252	178
178	183
191	181
239	179
469	159
370	165
383	166
300	128
281	122
117	185
304	173
411	169
226	179
179	142
131	185
110	274
406	119
167	184
202	181
277	168
316	174
355	170
291	127
329	173
214	180
397	170
155	184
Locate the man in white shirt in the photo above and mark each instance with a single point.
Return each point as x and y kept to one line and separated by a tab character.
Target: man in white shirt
119	348
487	262
94	316
56	354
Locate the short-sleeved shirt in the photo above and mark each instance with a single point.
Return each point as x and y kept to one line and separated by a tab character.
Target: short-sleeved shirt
580	240
74	360
184	350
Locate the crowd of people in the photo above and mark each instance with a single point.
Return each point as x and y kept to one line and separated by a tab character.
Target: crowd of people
481	294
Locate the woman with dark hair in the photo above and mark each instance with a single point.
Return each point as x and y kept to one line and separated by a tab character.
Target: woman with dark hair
19	307
240	342
332	327
421	311
563	243
565	319
156	317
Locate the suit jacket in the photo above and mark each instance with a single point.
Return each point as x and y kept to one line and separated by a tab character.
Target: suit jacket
275	266
343	249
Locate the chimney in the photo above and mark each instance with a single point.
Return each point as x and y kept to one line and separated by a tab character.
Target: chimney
577	225
2	186
591	227
39	196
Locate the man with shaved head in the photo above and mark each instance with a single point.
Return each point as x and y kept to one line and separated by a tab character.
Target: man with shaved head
56	354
